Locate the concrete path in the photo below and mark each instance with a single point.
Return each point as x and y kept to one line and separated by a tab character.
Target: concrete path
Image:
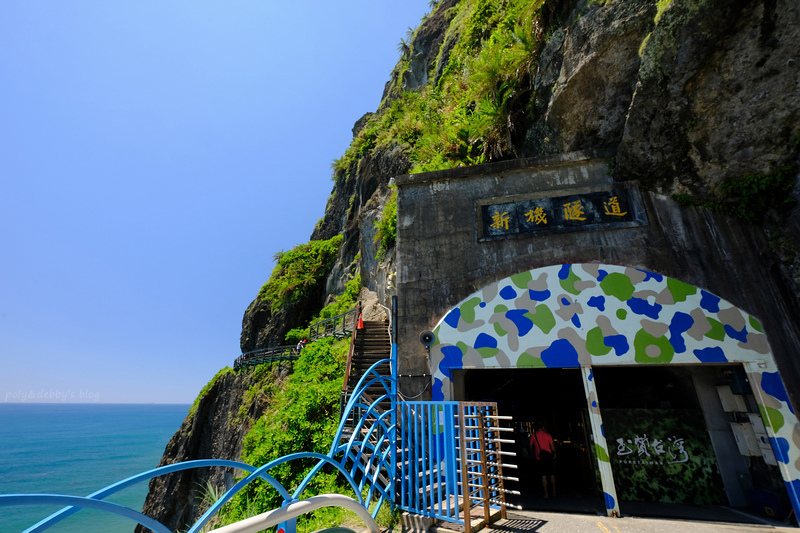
546	522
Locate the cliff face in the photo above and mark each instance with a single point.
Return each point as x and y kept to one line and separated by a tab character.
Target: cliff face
215	429
690	94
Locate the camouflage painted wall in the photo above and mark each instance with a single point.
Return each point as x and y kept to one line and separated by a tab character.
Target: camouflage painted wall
685	287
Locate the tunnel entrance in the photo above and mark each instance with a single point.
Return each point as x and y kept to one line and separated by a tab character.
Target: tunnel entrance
669	446
555	397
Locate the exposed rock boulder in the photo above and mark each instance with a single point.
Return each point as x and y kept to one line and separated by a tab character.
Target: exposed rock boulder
718	95
599	64
215	430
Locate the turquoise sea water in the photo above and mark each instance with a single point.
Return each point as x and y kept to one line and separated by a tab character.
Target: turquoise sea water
77	449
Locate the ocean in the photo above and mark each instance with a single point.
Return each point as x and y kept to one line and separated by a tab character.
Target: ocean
77	449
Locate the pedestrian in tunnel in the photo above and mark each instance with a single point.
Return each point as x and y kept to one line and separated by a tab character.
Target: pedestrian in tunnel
544	450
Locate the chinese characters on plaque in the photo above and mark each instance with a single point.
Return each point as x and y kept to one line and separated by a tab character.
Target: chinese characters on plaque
594	210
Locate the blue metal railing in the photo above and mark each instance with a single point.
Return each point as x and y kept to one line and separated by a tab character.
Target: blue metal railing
440	451
429	475
78	502
365	461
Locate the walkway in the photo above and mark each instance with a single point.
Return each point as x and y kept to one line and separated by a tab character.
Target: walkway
545	522
266	355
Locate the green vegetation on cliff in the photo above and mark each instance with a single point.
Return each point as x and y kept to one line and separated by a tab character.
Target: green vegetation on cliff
302	417
387	226
223	372
300	271
479	109
341	304
754	197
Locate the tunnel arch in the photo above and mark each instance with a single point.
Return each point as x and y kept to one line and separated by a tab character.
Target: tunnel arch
584	315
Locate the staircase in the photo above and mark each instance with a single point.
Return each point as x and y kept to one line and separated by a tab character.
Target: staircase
371	343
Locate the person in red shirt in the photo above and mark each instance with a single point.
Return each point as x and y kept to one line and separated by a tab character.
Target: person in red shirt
545	454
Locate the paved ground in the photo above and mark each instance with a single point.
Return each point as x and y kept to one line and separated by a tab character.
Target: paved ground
548	522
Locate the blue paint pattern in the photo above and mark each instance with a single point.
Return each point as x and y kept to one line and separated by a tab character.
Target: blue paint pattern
740	336
713	354
618	342
781	448
437	394
793	489
485	340
658	277
523	323
538	296
709	302
598	302
610	502
641	307
772	384
560	354
680	324
508	293
453	358
453	317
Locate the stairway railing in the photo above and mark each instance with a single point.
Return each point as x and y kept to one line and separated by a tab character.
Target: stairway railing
339	325
266	355
366	460
293	510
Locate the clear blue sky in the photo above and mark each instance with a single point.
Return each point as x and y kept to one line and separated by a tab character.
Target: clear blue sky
154	156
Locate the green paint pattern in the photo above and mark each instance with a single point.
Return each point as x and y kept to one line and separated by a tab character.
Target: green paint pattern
717	330
602	455
569	283
594	342
617	285
680	290
526	360
468	310
775	418
488	353
521	280
543	319
643	340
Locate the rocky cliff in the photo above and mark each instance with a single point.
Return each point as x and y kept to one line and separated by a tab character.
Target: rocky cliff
698	99
214	429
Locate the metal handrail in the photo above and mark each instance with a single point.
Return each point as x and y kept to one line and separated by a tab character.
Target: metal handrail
276	516
266	355
75	506
356	310
366	461
334	326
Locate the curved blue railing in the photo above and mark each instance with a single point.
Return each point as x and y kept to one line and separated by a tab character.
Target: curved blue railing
366	460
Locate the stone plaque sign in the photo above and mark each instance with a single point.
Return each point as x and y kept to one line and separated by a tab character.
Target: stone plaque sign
617	208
